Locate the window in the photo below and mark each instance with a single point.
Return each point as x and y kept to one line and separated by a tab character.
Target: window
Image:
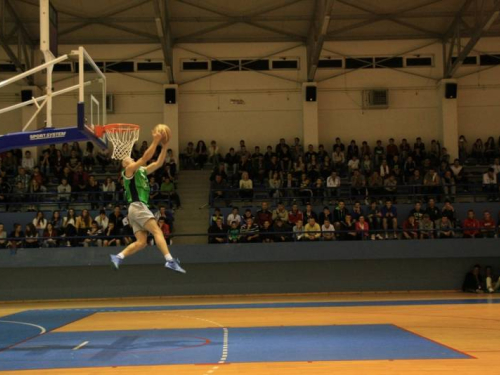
388	62
88	68
225	65
489	60
195	65
330	64
360	62
469	60
63	67
4	67
254	65
150	66
123	66
286	64
418	61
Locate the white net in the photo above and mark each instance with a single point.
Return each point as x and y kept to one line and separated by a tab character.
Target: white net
123	137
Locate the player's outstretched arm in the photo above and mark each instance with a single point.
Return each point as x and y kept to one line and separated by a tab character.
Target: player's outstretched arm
148	154
159	162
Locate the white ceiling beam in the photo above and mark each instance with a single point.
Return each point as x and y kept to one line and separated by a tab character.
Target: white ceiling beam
316	36
165	35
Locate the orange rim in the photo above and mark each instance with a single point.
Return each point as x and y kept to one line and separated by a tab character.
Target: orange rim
114	128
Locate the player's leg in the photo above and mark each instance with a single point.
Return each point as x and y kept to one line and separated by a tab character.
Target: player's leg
133	248
152	227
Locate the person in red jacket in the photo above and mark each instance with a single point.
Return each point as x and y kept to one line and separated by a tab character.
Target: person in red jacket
264	215
295	215
487	225
471	226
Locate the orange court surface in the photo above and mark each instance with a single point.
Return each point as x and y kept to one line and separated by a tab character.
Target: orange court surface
380	333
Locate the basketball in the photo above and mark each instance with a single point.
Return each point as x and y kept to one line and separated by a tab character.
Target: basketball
164	130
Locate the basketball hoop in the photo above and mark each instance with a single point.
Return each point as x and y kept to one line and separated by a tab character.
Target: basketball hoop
122	136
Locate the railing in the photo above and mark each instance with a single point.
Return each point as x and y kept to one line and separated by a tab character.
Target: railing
349	193
290	236
93	198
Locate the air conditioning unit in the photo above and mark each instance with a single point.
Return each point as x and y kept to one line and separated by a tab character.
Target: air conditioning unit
110	103
376	99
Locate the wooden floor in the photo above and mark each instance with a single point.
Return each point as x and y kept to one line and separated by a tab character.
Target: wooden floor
473	329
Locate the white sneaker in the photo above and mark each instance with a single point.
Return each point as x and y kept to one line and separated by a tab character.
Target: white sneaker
491	290
386	236
372	237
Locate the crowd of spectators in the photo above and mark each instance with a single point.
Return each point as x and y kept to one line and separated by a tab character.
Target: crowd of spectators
377	171
70	174
477	282
373	222
105	229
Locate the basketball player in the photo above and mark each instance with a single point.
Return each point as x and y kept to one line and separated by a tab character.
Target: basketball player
141	219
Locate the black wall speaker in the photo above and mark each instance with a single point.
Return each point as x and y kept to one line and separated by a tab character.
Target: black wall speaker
26	95
450	91
311	93
170	96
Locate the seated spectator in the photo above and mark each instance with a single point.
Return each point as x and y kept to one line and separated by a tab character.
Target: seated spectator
109	189
266	232
213	153
16	238
318	189
216	216
189	156
234	216
362	228
40	222
374	218
473	281
449	185
358	185
295	215
312	230
339	214
431	210
233	234
247	215
201	154
93	236
154	190
250	232
308	213
449	212
279	229
389	218
444	228
102	220
333	185
127	232
432	182
31	237
488	225
28	162
263	215
218	170
103	157
80	180
280	213
4	193
417	212
385	169
83	224
64	192
338	160
353	164
275	186
348	228
231	162
298	231
325	215
471	226
218	188
69	227
327	230
390	187
375	184
35	194
246	186
3	237
111	235
426	227
116	217
366	166
167	190
305	189
459	173
410	229
165	229
88	159
490	279
50	235
490	185
357	211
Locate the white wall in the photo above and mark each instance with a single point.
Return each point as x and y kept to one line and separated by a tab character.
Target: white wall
273	105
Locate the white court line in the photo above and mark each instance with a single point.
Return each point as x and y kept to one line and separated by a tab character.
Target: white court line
81	345
42	330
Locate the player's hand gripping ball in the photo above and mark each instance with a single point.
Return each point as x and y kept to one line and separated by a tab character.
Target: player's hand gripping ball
164	130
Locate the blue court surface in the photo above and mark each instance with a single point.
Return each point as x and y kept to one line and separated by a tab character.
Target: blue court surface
27	342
